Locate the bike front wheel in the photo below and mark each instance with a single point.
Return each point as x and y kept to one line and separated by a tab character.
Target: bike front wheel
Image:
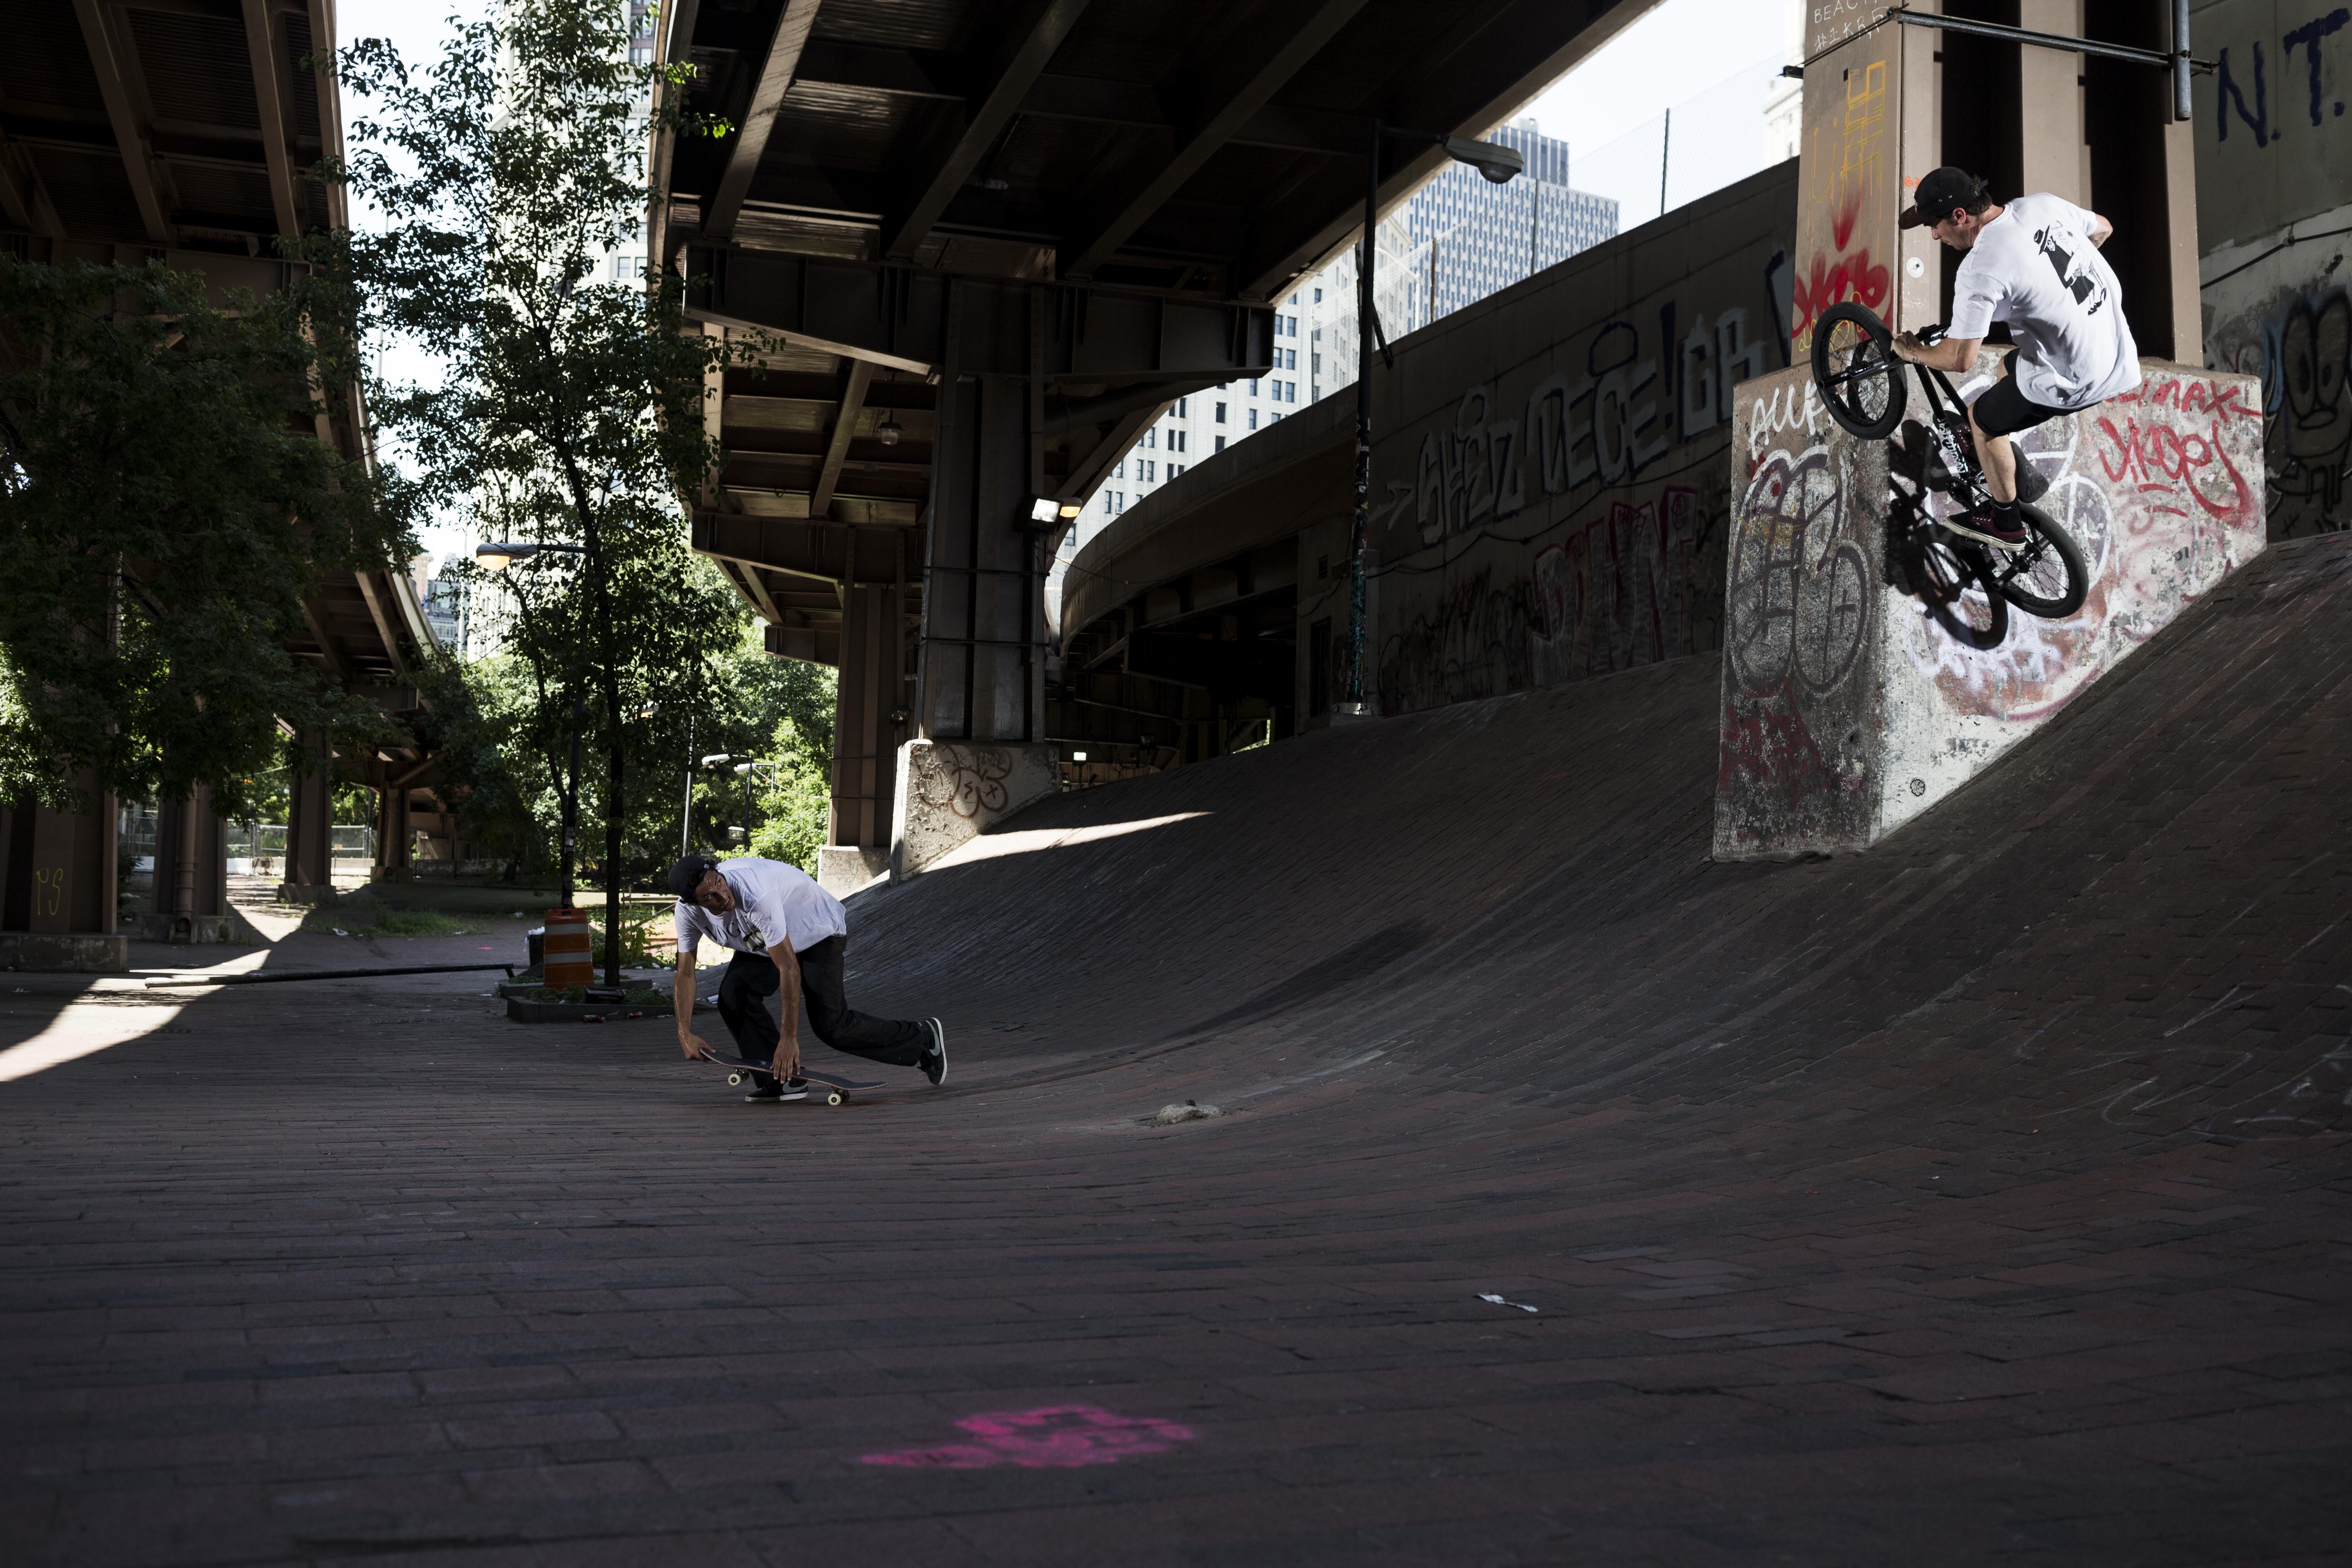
2049	577
1861	382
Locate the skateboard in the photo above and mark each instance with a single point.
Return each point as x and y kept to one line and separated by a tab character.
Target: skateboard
835	1089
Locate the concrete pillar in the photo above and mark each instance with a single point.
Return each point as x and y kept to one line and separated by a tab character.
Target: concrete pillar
2055	154
392	833
311	834
1870	131
57	888
191	873
979	752
867	730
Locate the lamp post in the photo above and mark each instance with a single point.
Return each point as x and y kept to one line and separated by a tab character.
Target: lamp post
497	557
1498	164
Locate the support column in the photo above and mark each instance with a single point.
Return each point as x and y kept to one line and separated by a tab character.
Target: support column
866	734
57	888
311	834
977	756
2054	154
191	873
392	833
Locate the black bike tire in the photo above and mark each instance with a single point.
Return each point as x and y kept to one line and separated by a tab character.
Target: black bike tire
1898	381
1975	568
2078	570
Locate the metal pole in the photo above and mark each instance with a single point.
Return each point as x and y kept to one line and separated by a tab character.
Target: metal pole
1354	706
686	815
571	795
1665	152
2183	104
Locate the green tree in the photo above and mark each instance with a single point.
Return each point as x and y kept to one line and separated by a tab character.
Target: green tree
164	506
570	410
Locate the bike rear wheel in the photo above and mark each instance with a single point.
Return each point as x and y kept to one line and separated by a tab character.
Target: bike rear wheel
1862	383
2049	577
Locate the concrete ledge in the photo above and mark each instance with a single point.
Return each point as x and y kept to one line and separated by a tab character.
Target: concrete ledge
82	952
844	868
1848	708
950	792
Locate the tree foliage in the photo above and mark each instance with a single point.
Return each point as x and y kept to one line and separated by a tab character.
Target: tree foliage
164	506
569	409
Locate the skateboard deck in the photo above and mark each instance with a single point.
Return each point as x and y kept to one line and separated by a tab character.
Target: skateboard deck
835	1090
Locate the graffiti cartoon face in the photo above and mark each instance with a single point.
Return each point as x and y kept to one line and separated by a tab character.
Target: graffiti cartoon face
2313	350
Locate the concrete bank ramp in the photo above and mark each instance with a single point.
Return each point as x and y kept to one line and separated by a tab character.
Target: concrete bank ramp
2139	916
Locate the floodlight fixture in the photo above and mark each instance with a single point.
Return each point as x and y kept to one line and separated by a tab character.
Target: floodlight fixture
1492	159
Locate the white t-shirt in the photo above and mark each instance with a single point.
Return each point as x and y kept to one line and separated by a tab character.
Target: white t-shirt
773	903
2035	267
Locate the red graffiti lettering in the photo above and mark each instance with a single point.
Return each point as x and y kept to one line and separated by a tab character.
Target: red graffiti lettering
1852	277
1841	225
2160	453
2194	396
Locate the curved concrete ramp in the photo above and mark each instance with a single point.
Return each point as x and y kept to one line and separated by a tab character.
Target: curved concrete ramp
1577	1198
2125	928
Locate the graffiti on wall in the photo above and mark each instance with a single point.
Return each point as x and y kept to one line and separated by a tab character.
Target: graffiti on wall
2307	409
1843	170
1592	475
1800	610
2149	485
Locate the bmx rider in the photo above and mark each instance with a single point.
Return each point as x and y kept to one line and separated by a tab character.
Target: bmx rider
787	934
2034	263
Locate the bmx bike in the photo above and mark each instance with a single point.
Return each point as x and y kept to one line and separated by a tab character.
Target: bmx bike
1863	386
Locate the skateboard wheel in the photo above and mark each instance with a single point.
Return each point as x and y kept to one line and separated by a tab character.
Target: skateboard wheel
833	1098
734	1077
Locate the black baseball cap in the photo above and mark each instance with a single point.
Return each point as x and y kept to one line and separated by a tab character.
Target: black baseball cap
1941	190
686	875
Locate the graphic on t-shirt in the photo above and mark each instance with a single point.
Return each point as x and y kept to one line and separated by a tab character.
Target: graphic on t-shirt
2087	290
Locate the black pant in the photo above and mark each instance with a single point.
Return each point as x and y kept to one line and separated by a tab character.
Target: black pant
751	979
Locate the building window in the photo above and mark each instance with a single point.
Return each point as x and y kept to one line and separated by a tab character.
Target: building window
1220	419
1120	471
1273	418
1253	386
1151	471
1220	443
1253	418
1182	405
1151	436
1176	440
1318	296
1110	503
1291	395
1315	364
1174	470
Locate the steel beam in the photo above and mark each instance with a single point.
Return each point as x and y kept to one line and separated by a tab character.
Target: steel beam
895	316
1032	47
106	62
836	451
775	80
1128	213
260	43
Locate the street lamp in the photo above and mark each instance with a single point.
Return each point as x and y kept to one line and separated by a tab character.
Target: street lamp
497	556
1498	164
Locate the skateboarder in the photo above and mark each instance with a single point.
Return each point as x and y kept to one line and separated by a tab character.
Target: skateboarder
787	934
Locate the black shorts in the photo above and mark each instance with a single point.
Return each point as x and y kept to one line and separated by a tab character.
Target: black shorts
2003	409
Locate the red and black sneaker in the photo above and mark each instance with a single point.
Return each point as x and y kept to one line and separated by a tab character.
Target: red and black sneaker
1993	524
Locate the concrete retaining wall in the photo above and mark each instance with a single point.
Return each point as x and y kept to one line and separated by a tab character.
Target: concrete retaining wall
950	792
1547	491
1847	707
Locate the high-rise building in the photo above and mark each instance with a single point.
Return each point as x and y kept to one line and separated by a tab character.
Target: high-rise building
1456	241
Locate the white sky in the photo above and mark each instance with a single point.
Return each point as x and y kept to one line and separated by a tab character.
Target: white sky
1609	106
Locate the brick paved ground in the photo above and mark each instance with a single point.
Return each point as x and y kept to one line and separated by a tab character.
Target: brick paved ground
1980	1199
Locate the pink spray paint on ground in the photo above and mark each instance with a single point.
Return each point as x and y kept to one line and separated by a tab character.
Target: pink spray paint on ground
1053	1437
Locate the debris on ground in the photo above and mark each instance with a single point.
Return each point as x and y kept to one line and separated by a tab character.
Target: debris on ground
1191	1110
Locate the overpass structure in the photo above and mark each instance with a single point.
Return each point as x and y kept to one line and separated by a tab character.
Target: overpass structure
182	131
981	244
